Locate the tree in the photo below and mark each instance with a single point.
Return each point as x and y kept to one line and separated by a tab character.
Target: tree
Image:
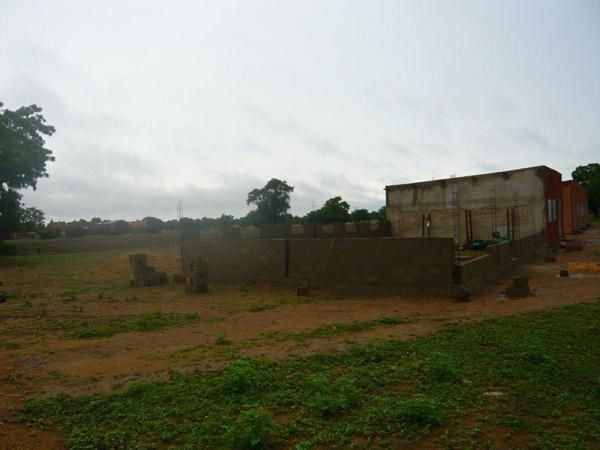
360	215
32	220
22	154
23	158
272	201
334	210
10	213
588	177
152	224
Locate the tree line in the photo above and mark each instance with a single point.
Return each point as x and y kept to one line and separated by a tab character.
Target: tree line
272	206
23	159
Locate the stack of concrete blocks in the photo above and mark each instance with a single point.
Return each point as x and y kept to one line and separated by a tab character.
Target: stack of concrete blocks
143	274
518	288
197	276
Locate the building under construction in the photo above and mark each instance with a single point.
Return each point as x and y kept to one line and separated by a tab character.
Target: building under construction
512	204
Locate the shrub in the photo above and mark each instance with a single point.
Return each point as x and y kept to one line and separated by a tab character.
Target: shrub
329	399
421	412
442	369
222	339
253	430
240	377
7	249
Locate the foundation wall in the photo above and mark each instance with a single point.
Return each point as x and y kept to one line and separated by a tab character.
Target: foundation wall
238	260
400	265
500	258
410	265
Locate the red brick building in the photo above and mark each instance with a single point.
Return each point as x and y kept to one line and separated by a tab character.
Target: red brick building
575	207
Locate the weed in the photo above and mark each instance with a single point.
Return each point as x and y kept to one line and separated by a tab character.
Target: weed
243	288
10	345
420	412
253	430
222	339
257	307
442	368
241	377
70	295
8	249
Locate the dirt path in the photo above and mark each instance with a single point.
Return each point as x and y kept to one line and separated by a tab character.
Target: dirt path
52	364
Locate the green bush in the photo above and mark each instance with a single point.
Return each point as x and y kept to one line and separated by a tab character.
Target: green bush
7	249
420	412
240	377
442	369
253	430
332	398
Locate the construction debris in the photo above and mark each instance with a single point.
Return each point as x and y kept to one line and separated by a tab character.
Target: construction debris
518	288
143	274
197	276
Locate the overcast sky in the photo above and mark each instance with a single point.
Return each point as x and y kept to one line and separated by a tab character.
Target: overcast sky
204	101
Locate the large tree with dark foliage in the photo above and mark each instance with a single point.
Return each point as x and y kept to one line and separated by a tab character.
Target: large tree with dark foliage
333	210
588	177
23	158
272	201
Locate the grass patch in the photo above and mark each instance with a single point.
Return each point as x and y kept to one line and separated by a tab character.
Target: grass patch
96	328
337	328
142	323
545	365
287	300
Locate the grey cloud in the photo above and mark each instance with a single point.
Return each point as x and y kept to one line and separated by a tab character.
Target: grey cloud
290	129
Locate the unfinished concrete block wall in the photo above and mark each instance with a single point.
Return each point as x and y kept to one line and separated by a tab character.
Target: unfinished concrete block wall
237	260
413	265
475	272
406	265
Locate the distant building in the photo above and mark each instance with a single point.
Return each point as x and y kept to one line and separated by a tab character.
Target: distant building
512	204
575	207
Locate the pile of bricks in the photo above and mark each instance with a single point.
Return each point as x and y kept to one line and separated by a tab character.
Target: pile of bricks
143	274
197	276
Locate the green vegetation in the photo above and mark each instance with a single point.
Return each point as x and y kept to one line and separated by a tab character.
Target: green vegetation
286	300
333	329
95	328
533	378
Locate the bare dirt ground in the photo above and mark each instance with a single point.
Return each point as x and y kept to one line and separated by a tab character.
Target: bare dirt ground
51	292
